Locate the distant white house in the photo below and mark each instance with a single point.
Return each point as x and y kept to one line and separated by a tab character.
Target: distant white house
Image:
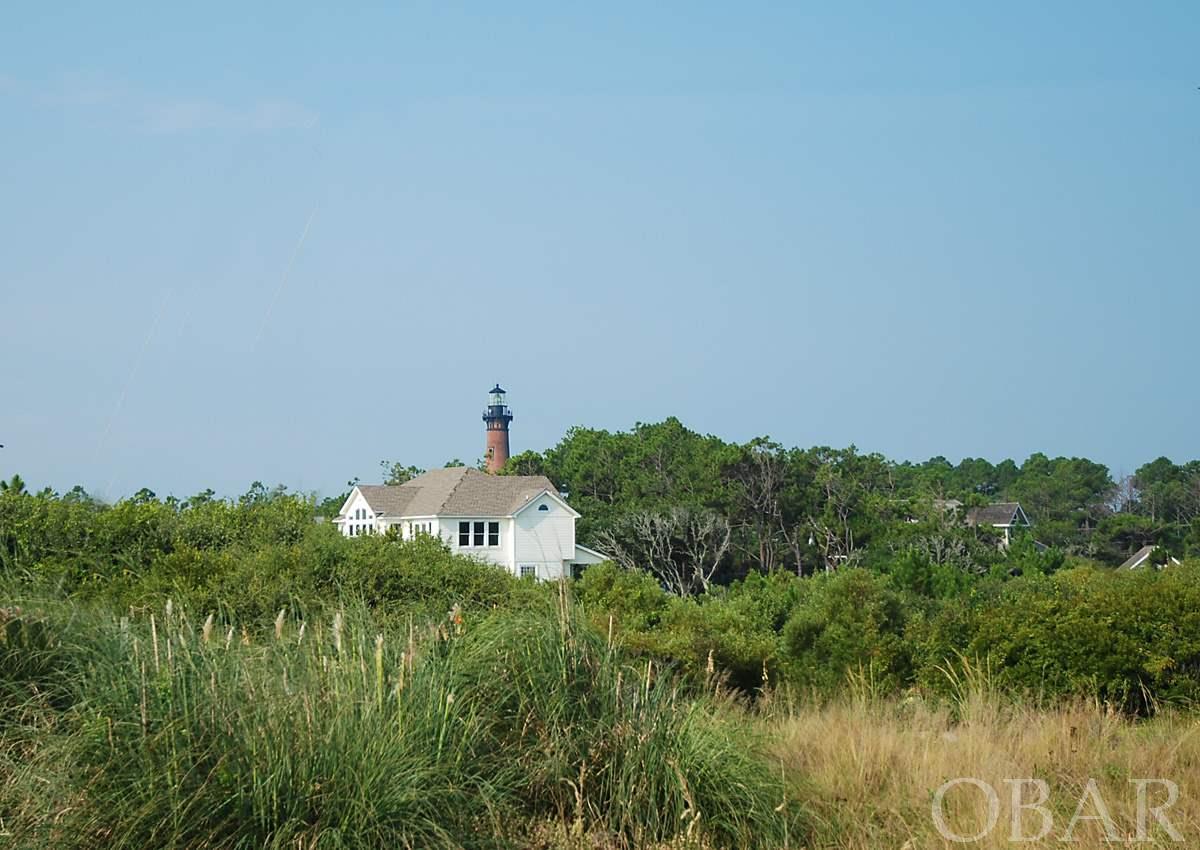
519	522
1141	558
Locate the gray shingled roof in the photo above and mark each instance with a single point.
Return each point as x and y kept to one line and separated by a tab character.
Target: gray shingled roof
385	500
458	491
1001	513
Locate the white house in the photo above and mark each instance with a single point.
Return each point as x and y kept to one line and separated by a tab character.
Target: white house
518	522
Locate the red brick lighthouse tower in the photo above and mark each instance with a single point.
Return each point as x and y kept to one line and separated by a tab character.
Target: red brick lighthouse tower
497	415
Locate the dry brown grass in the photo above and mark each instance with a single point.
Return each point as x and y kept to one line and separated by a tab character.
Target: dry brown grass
867	769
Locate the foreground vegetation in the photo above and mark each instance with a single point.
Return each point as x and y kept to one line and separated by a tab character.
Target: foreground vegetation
162	731
522	729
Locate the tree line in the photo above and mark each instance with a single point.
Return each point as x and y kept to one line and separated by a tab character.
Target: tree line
697	508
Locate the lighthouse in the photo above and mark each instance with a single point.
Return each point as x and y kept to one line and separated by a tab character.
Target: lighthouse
497	415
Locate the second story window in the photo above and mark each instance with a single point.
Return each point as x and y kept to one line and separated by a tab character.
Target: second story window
464	534
478	536
493	529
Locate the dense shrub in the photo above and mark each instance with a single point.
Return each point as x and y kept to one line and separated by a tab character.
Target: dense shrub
731	632
1132	638
634	600
847	621
419	576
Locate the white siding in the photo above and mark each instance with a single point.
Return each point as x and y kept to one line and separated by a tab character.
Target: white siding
358	516
500	555
544	539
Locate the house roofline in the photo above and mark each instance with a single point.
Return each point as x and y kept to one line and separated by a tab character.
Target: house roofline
592	551
547	492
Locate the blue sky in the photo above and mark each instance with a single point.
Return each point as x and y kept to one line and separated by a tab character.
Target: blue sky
274	244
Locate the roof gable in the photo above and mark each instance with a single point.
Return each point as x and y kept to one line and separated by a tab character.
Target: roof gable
554	497
1142	556
999	514
1137	558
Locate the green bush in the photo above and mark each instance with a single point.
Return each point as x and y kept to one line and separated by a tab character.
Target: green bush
634	600
1131	638
421	577
847	621
732	632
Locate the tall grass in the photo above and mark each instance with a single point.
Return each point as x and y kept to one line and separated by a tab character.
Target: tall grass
867	768
604	743
168	732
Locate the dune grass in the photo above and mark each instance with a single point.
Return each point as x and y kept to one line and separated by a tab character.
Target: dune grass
164	731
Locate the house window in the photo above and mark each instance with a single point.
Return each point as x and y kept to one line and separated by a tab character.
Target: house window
464	534
528	571
479	533
543	507
493	534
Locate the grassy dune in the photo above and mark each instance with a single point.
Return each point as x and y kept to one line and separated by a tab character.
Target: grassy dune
519	728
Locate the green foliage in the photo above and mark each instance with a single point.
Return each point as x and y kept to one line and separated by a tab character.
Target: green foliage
395	472
420	576
730	633
846	622
631	598
342	733
1026	557
1131	638
916	573
614	743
